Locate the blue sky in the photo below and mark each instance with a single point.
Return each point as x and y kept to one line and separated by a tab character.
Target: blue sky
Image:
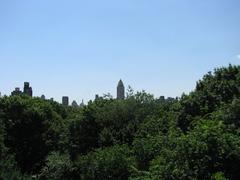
82	48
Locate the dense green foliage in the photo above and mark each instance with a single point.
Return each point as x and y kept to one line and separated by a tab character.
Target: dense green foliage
196	136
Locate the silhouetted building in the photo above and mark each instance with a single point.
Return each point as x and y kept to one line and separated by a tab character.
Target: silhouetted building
43	97
161	99
74	104
96	97
81	104
65	101
17	91
27	89
170	99
120	90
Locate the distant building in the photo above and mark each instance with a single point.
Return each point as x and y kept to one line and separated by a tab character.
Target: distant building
161	99
96	97
120	90
170	99
65	101
74	104
17	91
27	89
81	104
43	97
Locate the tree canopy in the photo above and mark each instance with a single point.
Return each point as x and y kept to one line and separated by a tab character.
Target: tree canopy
195	136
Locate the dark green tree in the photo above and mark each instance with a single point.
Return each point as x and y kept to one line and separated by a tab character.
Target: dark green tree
32	130
113	163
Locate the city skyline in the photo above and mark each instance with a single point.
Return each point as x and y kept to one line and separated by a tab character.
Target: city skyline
82	48
27	90
121	94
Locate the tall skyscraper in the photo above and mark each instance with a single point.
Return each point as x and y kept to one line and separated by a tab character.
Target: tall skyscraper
120	90
27	89
65	101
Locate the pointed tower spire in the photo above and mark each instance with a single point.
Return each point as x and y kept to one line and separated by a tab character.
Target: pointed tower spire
120	90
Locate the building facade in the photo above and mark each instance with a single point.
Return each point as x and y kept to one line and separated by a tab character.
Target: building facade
65	100
27	89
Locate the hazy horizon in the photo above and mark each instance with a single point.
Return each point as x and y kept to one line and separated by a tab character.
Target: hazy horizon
79	48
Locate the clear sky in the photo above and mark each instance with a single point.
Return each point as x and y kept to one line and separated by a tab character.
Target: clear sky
81	48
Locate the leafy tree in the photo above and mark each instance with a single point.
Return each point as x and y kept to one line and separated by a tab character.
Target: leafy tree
8	166
110	163
208	149
58	166
151	137
83	132
211	93
32	130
